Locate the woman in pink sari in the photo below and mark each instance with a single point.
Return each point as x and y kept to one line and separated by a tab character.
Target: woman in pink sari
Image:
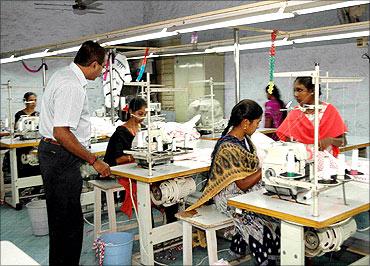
273	116
299	125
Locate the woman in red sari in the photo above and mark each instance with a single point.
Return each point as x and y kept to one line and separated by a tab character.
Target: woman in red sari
299	125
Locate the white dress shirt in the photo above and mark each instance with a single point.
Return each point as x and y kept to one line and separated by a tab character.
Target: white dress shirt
65	104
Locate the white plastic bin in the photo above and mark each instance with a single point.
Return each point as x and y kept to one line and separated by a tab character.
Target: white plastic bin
38	216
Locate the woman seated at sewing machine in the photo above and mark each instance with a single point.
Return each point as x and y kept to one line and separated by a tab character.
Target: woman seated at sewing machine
122	140
29	99
299	124
24	168
234	171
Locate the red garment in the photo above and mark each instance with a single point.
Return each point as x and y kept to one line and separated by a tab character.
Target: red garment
298	126
126	206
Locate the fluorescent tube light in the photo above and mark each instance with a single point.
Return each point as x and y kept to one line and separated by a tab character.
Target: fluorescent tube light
151	55
237	22
20	58
149	36
330	7
64	51
333	37
8	60
34	55
166	55
248	46
179	54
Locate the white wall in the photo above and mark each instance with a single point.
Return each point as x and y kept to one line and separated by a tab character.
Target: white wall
18	76
340	60
25	26
40	27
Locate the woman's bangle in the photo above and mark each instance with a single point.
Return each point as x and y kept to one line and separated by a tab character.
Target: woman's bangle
93	161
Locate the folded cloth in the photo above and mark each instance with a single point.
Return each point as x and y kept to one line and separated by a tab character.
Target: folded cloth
126	206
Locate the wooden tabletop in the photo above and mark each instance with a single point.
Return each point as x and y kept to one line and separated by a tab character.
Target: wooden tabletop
331	206
355	142
11	143
99	148
190	166
218	135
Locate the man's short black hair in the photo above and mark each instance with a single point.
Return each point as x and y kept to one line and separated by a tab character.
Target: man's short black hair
88	53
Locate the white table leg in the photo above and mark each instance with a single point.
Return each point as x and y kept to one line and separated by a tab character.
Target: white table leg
14	178
187	243
97	212
145	223
292	244
2	185
111	211
211	246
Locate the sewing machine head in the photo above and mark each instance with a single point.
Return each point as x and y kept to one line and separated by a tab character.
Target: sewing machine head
276	165
28	127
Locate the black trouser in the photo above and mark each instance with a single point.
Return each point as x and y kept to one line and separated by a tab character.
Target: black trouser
61	175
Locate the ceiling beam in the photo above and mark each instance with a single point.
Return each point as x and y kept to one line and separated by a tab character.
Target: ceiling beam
252	9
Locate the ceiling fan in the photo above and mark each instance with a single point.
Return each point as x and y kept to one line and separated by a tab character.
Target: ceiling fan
80	7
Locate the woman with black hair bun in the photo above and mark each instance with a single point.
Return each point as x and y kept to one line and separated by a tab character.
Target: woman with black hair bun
234	171
273	115
124	135
299	125
122	140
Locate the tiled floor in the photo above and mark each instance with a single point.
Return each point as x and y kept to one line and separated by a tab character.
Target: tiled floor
16	227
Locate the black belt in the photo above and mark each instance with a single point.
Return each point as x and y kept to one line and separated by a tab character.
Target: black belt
51	141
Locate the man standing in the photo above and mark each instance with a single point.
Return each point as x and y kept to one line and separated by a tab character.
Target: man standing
65	129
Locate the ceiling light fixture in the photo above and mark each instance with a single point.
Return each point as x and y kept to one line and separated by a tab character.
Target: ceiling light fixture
333	37
150	36
330	7
65	51
248	46
237	22
165	55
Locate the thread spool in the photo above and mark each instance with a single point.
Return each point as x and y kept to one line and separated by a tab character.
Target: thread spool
341	165
140	139
186	140
290	163
354	166
159	143
173	145
326	168
33	125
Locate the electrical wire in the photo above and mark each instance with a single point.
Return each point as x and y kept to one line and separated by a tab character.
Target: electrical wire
86	221
201	182
363	229
226	249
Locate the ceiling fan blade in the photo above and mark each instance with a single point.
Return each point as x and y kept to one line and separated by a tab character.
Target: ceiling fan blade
55	9
86	11
50	4
89	2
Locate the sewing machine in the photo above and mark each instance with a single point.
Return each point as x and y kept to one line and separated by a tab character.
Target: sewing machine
286	171
28	127
277	178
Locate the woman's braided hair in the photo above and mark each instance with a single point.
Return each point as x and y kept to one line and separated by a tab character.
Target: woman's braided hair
245	109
